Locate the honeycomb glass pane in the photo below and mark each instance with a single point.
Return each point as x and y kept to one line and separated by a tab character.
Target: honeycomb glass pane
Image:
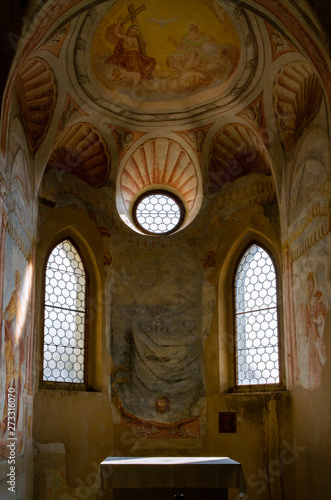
158	213
64	316
257	352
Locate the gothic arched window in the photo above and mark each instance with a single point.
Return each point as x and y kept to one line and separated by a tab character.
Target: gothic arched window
64	346
256	319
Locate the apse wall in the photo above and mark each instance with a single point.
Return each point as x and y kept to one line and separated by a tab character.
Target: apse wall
244	146
167	347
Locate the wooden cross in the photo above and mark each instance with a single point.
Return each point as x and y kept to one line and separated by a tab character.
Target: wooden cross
133	17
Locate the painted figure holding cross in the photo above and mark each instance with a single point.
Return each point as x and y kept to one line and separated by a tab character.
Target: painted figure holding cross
130	50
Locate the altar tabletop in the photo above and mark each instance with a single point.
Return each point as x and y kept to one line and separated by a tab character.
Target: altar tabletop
170	472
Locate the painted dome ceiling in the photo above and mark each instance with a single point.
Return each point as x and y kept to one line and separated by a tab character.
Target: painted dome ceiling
160	57
180	54
229	87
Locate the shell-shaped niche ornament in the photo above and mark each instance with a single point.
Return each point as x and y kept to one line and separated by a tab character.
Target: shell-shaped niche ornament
160	163
297	95
159	188
36	94
82	151
236	151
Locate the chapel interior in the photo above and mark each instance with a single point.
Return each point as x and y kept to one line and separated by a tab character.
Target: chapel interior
201	328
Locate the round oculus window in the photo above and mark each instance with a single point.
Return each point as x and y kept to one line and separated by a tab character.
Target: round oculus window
158	212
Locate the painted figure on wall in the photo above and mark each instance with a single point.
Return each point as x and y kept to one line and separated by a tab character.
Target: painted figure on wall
128	51
315	312
14	349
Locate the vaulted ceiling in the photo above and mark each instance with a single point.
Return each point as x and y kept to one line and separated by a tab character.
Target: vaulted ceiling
195	97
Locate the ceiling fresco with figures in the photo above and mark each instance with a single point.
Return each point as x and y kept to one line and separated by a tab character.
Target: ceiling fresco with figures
151	58
224	84
160	52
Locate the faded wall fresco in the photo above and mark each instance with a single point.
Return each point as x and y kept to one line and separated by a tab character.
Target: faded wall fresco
17	327
307	277
157	342
16	315
311	305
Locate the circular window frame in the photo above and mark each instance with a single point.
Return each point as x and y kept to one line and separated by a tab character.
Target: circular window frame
163	192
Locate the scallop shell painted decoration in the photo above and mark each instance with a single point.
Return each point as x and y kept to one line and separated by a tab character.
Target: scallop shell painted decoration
36	95
236	151
159	163
297	95
82	151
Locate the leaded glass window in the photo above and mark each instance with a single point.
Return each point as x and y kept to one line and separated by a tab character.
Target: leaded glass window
256	321
158	212
64	316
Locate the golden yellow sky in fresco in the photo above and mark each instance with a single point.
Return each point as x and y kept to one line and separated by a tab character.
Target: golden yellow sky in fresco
156	35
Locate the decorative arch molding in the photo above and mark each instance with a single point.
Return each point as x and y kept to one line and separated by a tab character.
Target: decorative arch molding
82	151
227	254
3	228
310	46
236	151
17	142
297	95
20	200
36	94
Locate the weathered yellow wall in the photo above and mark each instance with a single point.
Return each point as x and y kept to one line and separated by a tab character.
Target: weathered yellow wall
311	423
80	420
91	430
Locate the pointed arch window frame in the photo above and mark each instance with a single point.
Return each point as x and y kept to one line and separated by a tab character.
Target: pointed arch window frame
56	384
262	387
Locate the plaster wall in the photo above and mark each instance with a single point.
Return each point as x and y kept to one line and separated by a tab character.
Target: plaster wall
312	431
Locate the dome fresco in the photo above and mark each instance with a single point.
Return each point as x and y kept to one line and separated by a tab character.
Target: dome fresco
163	69
164	52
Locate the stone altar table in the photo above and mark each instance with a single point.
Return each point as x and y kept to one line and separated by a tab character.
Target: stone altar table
203	478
